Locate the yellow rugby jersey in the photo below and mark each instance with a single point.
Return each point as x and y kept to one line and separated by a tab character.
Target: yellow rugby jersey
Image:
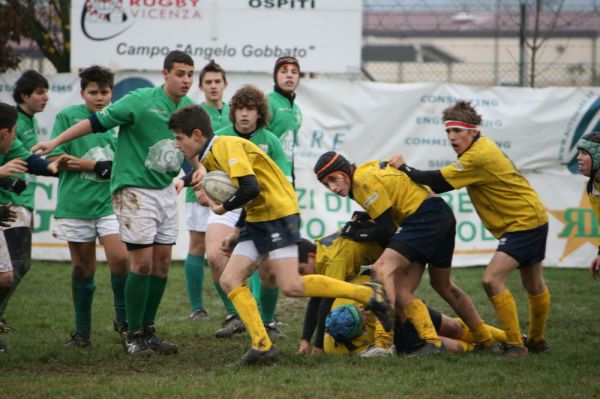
361	342
341	258
594	198
503	198
239	157
378	188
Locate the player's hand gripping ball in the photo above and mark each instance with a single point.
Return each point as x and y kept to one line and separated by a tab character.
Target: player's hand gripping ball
218	186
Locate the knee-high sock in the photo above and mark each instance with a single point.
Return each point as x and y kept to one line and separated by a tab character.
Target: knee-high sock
506	311
539	307
482	335
18	240
248	311
83	296
268	303
155	293
136	296
417	313
327	287
383	339
255	285
194	277
228	305
467	336
118	286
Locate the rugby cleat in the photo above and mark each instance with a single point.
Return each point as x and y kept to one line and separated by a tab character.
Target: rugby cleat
120	327
273	330
537	346
378	304
378	351
427	349
514	351
3	347
78	341
4	327
157	344
232	325
135	343
495	348
256	356
199	314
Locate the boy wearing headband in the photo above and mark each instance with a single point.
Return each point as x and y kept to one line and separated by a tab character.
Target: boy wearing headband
510	209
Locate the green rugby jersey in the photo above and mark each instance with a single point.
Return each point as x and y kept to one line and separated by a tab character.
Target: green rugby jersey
83	195
146	155
27	133
16	150
286	119
218	120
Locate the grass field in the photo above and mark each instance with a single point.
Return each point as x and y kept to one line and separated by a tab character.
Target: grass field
37	365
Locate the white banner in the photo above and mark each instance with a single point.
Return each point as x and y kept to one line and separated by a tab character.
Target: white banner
244	35
536	128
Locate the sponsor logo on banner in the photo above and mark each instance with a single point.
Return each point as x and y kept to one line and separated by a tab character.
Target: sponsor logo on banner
104	19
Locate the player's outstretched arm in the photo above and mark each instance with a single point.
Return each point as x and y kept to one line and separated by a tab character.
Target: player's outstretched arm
78	130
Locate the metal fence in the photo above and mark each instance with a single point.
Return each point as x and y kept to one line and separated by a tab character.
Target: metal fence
477	74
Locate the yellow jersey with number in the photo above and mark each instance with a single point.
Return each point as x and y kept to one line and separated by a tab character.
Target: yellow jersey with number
341	258
239	157
503	198
377	186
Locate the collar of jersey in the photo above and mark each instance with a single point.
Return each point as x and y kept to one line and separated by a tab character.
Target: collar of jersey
206	149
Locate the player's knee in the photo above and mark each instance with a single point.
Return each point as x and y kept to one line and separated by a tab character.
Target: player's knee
228	283
6	279
292	286
490	286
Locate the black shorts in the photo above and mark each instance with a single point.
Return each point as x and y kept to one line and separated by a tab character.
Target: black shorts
427	236
527	247
273	234
406	338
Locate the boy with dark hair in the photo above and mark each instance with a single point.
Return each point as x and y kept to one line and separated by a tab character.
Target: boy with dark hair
80	222
213	83
419	228
249	114
271	227
510	209
286	116
143	195
31	96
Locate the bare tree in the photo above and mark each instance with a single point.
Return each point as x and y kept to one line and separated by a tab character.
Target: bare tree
46	22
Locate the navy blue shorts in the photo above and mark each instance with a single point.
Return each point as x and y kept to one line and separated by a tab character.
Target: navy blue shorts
406	337
527	247
427	236
273	234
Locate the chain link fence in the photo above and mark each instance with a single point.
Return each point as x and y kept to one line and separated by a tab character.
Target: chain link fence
481	74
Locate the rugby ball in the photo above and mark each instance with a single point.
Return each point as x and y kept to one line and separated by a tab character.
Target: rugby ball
218	186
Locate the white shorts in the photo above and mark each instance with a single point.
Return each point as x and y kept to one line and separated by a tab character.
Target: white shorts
228	218
146	216
84	230
5	264
248	249
196	216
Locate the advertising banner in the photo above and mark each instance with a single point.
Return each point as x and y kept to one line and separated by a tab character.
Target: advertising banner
244	35
536	128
